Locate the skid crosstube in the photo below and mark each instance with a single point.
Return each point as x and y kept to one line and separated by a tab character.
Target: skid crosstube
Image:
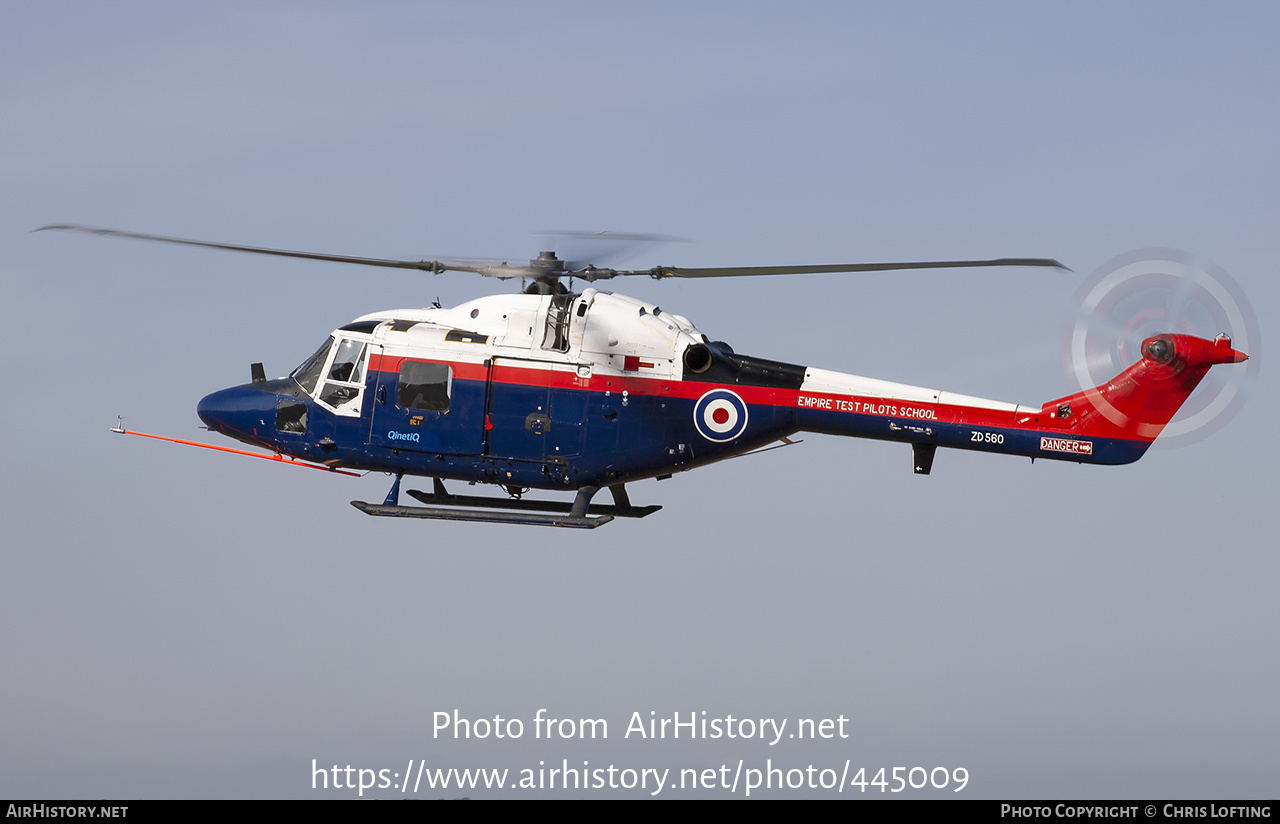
444	506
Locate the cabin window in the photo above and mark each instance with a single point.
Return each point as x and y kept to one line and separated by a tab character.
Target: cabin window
424	386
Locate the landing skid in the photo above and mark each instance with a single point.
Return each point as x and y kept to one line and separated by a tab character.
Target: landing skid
447	507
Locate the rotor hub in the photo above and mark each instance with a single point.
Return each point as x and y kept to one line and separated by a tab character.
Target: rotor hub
547	262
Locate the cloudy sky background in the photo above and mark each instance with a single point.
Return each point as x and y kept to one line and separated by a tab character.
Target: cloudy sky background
179	623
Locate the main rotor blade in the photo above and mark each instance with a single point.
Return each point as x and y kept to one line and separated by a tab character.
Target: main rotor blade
488	269
746	271
505	271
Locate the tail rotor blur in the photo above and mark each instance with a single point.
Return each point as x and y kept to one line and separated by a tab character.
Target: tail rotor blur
1151	292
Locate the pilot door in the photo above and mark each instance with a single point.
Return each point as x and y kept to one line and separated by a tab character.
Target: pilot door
423	406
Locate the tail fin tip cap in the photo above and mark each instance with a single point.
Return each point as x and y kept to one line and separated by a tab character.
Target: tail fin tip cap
1223	341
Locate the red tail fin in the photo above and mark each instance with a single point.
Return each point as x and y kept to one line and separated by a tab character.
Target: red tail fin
1140	401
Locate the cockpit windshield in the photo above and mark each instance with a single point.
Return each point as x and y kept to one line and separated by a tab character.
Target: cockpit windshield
308	373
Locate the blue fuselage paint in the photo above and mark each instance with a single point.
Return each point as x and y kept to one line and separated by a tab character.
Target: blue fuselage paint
541	436
583	437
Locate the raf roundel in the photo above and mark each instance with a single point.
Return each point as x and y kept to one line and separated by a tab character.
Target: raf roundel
720	415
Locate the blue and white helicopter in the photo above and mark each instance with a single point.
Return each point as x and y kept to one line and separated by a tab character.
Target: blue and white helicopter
548	389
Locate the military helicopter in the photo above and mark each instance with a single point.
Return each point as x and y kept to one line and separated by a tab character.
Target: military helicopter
574	392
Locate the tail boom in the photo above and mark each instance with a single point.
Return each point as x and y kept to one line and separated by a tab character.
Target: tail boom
1114	423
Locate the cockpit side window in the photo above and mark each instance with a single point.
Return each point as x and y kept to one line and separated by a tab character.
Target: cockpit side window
348	362
344	377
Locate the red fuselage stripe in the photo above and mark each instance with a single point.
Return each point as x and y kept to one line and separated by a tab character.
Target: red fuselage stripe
916	411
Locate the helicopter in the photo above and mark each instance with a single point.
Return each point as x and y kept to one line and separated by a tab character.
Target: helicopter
576	392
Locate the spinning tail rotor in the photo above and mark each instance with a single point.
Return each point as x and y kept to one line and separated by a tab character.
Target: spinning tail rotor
1162	292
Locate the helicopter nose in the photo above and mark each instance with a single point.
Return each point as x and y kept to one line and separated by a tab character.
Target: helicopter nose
241	412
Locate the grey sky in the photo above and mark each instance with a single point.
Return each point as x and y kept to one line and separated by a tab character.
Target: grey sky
185	624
